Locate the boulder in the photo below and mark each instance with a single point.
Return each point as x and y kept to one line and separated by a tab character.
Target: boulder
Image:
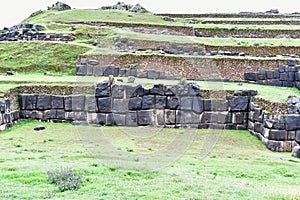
296	152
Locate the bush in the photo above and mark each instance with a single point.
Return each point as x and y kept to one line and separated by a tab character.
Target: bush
65	179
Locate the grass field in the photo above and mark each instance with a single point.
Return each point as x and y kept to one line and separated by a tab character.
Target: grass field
235	164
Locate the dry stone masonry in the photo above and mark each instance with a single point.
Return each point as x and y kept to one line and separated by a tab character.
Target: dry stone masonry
287	76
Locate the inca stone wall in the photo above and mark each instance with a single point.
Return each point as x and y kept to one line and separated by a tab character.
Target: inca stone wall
7	117
123	105
287	76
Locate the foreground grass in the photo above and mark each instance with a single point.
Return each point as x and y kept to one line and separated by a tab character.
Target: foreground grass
214	164
40	56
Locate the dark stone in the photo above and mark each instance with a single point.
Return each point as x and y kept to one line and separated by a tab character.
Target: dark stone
170	116
173	102
283	77
135	103
291	62
187	117
131	119
238	103
39	128
22	101
160	102
117	91
281	68
102	89
60	114
297	137
43	102
238	118
186	103
101	118
111	70
98	71
81	116
197	105
170	90
278	135
148	102
57	102
81	70
275	82
251	76
292	122
104	105
91	104
274	145
131	91
31	101
120	105
78	103
153	74
145	118
219	105
157	90
269	74
291	76
194	89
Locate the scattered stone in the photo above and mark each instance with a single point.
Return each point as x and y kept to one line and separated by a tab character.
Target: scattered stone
9	73
169	19
39	128
296	152
59	6
130	79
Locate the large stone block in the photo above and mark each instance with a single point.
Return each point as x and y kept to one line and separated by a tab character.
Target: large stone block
118	91
145	117
91	104
292	122
173	102
57	102
160	102
182	90
238	103
134	91
170	116
296	151
238	118
80	116
170	90
101	118
197	105
297	138
31	102
68	103
120	105
157	90
78	102
60	114
219	105
251	76
142	74
274	145
148	102
186	103
81	70
194	89
135	103
269	74
22	101
283	76
160	117
102	89
111	70
98	71
104	105
131	119
291	62
186	117
92	118
278	135
153	74
291	76
43	102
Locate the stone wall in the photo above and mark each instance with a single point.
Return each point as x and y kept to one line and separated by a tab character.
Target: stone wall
287	76
277	132
7	117
123	105
202	68
245	33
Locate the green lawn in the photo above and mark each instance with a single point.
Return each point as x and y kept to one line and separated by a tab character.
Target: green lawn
204	164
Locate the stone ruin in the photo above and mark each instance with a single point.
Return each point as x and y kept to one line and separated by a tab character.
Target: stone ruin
126	7
59	6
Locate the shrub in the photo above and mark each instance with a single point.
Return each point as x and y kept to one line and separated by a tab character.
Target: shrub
65	179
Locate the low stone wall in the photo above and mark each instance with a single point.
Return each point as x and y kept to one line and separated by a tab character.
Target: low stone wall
244	33
202	68
123	105
287	76
277	132
7	117
253	22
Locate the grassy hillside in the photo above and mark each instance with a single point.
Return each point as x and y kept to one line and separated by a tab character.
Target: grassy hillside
39	56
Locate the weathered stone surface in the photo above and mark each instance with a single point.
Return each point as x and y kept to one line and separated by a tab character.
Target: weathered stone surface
98	71
91	104
120	105
238	118
60	114
148	102
160	102
296	152
102	89
274	145
135	103
81	116
130	79
22	101
153	74
81	70
187	117
131	119
197	105
117	91
170	116
157	90
57	102
218	105
43	102
78	102
292	122
238	103
104	105
297	138
92	118
251	76
145	117
111	70
278	135
101	118
134	91
173	102
31	101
